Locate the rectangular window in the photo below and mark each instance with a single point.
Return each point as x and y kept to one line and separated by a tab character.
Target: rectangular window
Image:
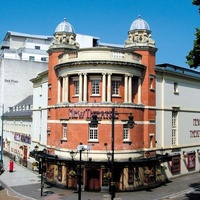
151	83
31	58
93	132
174	127
37	47
43	59
76	87
64	131
95	87
175	87
125	132
115	87
176	165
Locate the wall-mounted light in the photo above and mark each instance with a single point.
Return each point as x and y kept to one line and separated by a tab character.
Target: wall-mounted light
109	155
185	154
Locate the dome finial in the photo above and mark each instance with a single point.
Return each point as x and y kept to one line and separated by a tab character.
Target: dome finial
139	16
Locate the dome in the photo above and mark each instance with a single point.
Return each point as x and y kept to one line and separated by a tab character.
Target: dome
64	27
139	24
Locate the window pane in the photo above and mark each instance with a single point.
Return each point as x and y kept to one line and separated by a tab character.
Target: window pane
115	87
76	87
125	132
93	132
65	131
95	87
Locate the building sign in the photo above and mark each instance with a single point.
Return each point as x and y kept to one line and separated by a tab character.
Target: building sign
11	81
195	133
191	161
87	114
17	137
22	138
176	164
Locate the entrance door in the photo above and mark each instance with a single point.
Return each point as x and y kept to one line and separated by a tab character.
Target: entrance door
93	180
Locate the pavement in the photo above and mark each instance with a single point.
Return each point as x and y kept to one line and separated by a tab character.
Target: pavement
25	184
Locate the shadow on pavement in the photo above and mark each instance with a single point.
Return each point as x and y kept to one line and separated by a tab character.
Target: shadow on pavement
194	195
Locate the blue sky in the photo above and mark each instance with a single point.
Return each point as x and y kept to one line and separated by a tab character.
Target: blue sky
172	22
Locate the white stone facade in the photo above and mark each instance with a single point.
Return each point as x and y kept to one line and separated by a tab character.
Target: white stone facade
178	114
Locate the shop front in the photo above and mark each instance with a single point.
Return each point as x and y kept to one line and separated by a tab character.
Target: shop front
128	175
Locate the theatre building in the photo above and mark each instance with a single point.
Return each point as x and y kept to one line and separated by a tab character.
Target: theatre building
101	112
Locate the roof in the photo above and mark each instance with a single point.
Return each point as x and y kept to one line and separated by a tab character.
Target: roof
20	113
27	101
139	24
173	69
64	27
44	37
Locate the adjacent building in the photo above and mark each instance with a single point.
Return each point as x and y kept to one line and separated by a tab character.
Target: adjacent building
17	131
178	117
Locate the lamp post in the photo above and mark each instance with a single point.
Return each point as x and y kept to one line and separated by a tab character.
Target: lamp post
81	148
42	170
80	175
2	119
130	125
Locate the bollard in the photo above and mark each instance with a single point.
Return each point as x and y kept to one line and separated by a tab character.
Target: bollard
11	166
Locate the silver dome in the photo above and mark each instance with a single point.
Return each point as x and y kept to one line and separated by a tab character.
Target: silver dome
139	24
64	27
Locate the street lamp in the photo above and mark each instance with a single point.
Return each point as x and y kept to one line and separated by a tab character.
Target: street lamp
2	119
42	169
81	148
130	124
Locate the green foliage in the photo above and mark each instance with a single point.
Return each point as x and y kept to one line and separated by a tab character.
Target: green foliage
193	58
196	2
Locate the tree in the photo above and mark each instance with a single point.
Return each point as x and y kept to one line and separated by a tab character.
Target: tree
193	58
196	3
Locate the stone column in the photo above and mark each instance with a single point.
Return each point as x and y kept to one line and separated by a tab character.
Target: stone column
139	90
59	88
109	88
104	87
85	88
130	89
80	88
63	89
125	88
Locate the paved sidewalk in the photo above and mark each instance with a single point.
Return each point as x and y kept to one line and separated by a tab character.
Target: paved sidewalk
25	184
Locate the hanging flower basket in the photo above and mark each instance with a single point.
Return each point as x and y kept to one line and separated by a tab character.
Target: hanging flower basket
158	172
107	175
147	172
72	173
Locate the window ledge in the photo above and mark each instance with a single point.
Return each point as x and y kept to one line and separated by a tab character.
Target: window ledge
96	141
117	96
176	93
127	141
63	140
152	89
95	95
